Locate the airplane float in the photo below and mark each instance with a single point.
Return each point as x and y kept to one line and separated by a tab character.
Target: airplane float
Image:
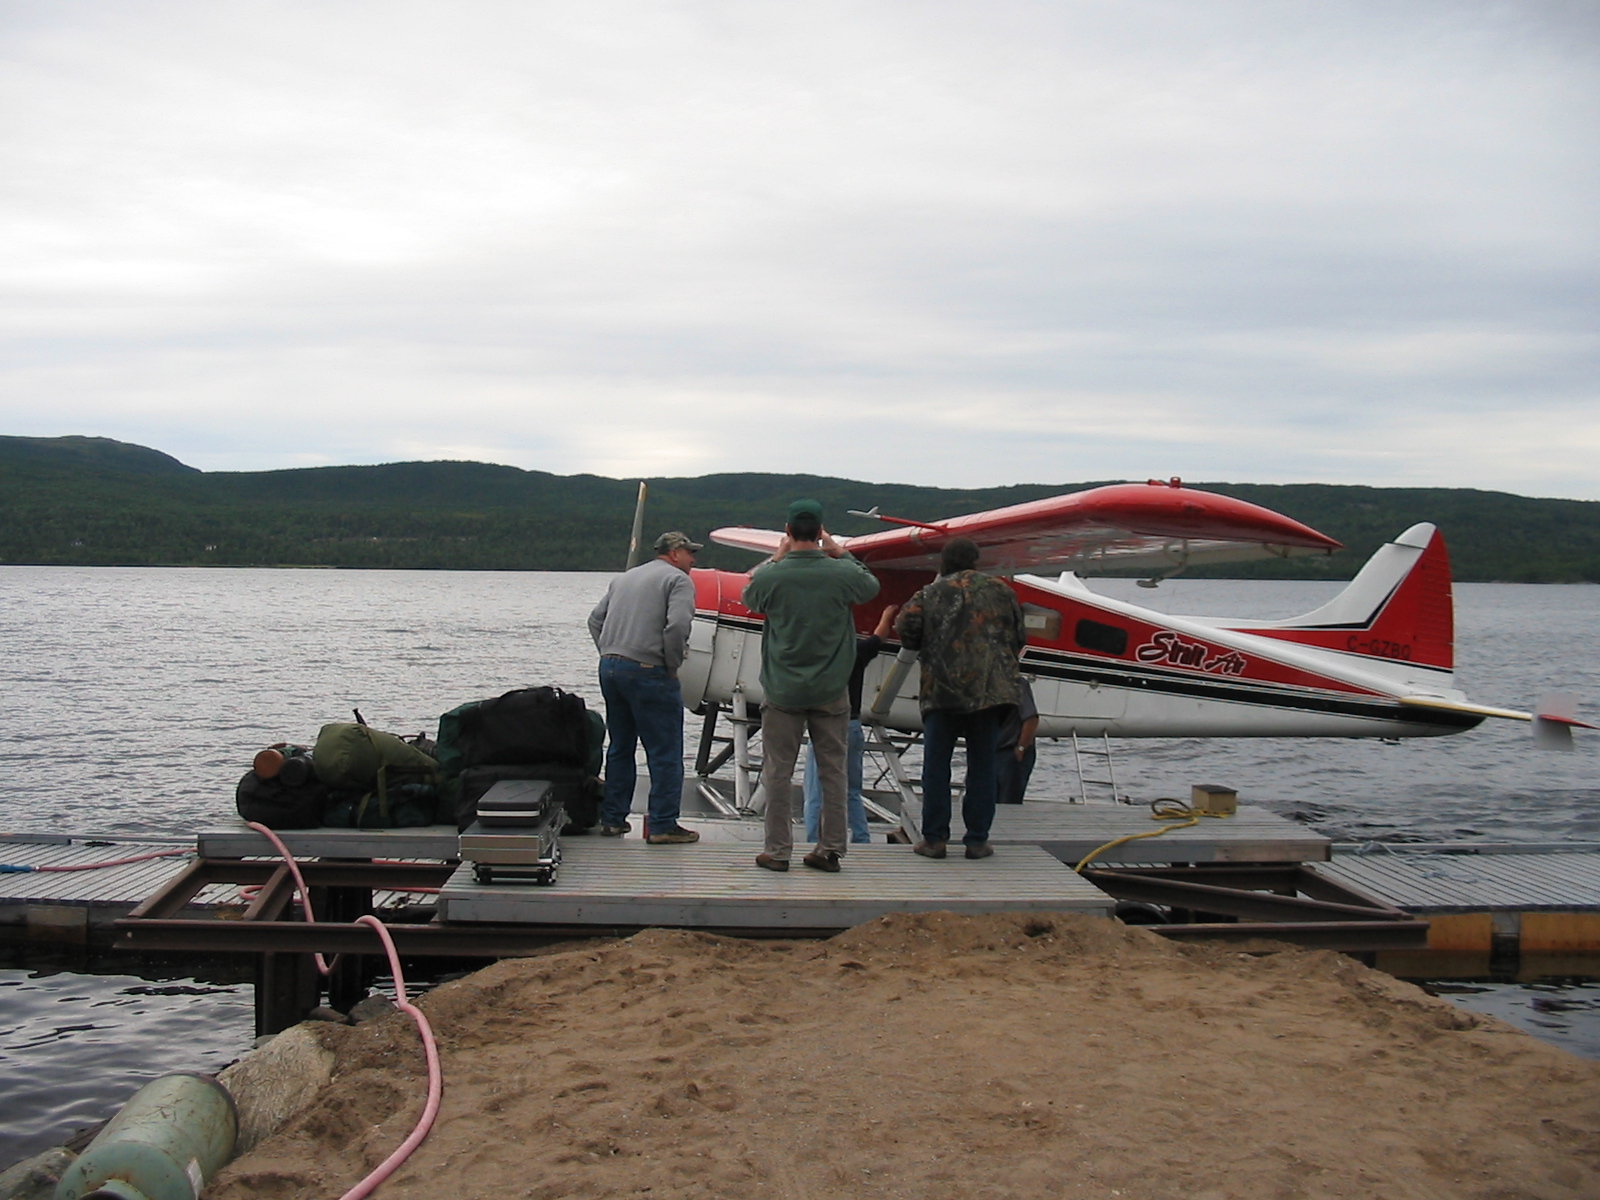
1375	661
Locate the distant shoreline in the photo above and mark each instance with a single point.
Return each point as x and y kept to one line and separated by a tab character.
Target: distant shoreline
79	501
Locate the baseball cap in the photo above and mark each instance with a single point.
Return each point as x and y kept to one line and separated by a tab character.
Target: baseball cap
668	542
805	508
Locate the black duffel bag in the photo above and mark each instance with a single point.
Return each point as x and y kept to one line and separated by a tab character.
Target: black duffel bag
278	805
529	725
397	806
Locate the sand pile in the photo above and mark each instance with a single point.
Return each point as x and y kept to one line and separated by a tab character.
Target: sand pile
935	1056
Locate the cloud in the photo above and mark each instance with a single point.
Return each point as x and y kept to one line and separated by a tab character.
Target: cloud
944	243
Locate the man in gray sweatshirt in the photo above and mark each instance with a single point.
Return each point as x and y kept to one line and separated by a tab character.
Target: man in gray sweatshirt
641	628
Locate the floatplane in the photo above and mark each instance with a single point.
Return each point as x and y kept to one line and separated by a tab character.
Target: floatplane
1376	661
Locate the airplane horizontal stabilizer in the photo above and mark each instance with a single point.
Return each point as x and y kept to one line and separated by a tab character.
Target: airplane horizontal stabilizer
1482	710
1557	718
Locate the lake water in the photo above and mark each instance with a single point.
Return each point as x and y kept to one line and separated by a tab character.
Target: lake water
131	700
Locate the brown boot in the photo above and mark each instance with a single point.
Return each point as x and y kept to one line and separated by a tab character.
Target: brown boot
771	863
822	860
929	849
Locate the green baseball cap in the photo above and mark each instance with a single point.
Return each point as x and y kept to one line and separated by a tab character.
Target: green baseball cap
805	508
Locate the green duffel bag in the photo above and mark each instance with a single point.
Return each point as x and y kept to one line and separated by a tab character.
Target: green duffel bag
350	757
359	758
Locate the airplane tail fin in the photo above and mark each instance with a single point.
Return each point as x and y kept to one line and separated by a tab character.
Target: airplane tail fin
1399	607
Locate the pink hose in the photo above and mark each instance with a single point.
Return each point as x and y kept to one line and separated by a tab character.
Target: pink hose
430	1110
430	1049
323	966
117	862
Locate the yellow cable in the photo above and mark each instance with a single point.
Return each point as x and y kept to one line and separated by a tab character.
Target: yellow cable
1161	810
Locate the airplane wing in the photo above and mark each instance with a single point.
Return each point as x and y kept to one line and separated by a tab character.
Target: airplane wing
1142	526
762	541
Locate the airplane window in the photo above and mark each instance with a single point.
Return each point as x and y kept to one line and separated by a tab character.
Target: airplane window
1040	623
1107	639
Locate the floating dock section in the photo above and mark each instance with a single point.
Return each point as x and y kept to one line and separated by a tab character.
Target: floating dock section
1530	911
1489	909
617	882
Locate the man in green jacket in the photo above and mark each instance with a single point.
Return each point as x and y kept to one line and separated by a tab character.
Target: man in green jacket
808	650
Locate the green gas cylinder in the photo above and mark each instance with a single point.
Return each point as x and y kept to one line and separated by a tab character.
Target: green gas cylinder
174	1134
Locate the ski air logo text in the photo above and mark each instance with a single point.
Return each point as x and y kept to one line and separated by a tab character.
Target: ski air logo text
1175	650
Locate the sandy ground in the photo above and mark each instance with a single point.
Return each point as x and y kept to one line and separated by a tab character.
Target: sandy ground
935	1056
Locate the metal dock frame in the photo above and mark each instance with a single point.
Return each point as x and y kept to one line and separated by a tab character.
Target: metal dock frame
1289	902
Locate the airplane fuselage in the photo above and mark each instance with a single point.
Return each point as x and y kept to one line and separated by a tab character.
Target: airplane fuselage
1099	665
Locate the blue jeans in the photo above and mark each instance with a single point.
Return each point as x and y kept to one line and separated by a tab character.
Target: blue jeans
940	728
643	704
813	788
1012	785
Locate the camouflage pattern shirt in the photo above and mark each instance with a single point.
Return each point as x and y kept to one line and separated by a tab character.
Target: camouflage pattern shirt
968	627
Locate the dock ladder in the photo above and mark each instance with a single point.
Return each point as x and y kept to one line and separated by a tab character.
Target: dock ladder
1086	748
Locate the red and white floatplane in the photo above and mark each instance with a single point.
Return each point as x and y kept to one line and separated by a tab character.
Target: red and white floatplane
1375	661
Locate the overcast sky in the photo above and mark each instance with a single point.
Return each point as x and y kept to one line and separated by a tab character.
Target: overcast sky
959	244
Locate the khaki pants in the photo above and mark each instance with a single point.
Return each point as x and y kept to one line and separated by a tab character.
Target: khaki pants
781	731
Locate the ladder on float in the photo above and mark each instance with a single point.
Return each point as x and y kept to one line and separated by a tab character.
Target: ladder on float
750	799
889	749
1100	759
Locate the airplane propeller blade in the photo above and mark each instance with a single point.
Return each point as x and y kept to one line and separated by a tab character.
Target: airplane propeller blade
634	548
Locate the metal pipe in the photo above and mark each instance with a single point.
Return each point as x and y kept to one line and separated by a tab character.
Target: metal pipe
893	682
741	751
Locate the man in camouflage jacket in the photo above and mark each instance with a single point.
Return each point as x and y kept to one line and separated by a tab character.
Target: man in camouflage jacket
968	627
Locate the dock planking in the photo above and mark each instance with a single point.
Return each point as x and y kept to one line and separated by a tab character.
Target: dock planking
67	904
717	885
1070	831
70	905
1465	883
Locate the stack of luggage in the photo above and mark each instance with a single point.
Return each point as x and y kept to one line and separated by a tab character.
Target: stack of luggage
521	770
525	768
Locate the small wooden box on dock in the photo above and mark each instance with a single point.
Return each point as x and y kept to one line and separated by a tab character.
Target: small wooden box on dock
1218	801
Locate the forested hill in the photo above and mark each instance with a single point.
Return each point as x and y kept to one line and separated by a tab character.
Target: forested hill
95	501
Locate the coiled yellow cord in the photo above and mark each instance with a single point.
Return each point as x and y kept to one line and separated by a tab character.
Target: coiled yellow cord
1165	809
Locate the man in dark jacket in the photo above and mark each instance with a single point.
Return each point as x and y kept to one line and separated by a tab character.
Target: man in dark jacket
968	627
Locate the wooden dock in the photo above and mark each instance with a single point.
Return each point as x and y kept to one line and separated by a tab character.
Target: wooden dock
618	881
1070	831
70	906
1488	904
78	906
